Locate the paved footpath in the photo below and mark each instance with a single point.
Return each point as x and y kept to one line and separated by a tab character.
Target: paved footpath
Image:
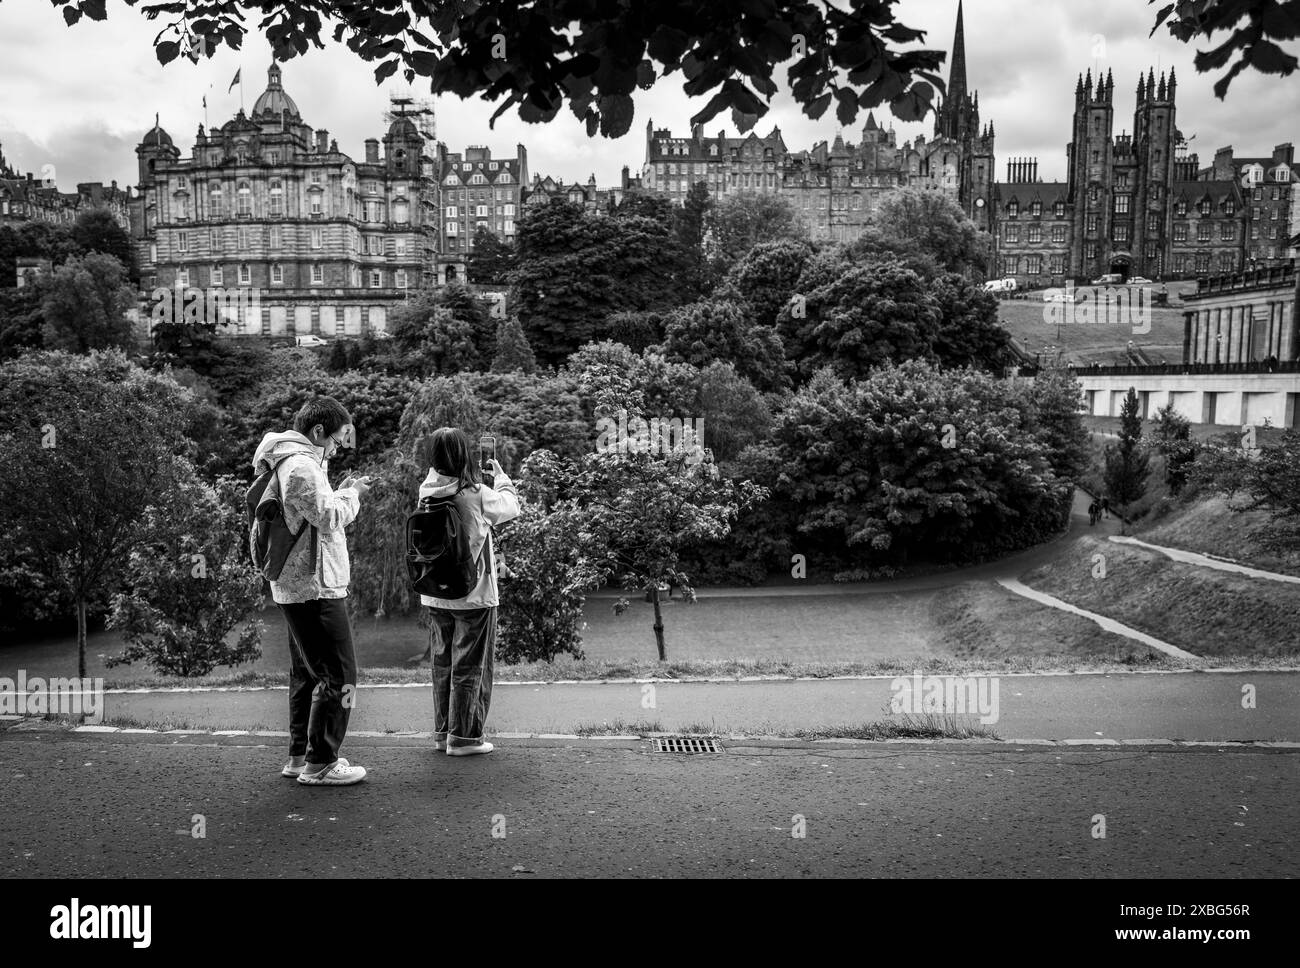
95	805
1175	706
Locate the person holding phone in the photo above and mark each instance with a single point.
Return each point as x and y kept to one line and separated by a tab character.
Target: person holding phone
462	636
312	589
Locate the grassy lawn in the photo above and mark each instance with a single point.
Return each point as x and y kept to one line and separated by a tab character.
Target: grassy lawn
1094	342
1208	526
1217	615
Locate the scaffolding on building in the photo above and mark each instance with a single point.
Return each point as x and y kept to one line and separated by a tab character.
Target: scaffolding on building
423	115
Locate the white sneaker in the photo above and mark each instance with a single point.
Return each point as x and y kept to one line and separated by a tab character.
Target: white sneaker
336	775
469	750
293	772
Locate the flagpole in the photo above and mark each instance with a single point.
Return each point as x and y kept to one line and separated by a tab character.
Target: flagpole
241	87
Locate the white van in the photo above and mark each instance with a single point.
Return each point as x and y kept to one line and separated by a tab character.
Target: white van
1000	285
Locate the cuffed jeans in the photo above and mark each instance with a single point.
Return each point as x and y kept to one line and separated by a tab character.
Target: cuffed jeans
462	641
322	678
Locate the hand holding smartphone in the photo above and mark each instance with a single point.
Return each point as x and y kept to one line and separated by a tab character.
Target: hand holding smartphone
487	458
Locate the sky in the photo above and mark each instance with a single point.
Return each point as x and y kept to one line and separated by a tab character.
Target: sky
80	99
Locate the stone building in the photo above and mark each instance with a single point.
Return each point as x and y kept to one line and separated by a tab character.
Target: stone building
1245	317
475	190
326	243
27	198
598	201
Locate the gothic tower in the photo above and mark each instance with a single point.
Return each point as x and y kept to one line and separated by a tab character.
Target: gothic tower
1089	157
958	118
1154	145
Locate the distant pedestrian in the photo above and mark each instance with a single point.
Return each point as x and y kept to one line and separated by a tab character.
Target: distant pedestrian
1093	510
1105	508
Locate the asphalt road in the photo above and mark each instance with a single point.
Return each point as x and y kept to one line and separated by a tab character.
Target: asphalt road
1176	706
89	806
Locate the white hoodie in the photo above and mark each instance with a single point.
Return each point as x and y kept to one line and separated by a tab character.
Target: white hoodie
306	495
478	509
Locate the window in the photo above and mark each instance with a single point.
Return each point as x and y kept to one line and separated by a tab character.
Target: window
1152	250
1227	232
376	278
182	242
245	200
399	278
241	236
1229	207
452	228
399	246
1093	194
316	238
1035	233
1180	231
218	276
1122	204
1153	224
1058	233
1273	214
1227	262
1180	208
1036	210
509	227
401	212
245	274
1058	210
1259	194
1254	231
1058	265
273	157
1010	265
1203	231
1121	232
1202	262
508	210
1090	250
183	278
1091	225
451	211
481	211
317	274
1013	209
1011	233
153	252
1035	265
1207	207
275	237
1096	156
277	274
315	205
214	202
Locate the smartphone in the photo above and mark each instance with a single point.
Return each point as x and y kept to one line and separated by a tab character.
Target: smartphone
487	452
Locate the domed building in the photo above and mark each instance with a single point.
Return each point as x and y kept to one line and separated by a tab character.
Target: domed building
297	237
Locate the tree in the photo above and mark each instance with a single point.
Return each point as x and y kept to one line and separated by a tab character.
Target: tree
21	324
1268	21
513	354
591	58
1173	439
767	275
690	222
718	331
490	260
911	462
86	446
449	330
84	303
935	224
859	317
1051	406
969	333
576	269
190	582
1126	462
637	512
96	230
636	330
739	222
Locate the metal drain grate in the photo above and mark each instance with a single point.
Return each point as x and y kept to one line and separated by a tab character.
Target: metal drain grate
686	744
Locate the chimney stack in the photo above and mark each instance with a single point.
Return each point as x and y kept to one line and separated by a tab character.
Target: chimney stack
372	151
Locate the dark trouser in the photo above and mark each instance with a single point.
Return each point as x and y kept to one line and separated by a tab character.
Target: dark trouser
322	678
462	641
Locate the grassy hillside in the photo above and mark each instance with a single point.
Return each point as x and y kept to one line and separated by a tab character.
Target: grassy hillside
1209	526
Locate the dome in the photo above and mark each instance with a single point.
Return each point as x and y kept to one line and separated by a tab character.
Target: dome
402	128
274	101
156	136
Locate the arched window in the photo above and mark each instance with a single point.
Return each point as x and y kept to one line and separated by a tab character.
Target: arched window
245	191
277	197
215	201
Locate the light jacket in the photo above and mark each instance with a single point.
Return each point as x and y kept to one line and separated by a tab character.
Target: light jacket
306	495
478	509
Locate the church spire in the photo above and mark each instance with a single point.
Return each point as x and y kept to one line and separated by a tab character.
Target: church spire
957	73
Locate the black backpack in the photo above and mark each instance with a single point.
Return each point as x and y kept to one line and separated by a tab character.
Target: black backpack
269	538
438	556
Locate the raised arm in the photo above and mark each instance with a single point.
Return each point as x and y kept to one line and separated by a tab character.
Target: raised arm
307	490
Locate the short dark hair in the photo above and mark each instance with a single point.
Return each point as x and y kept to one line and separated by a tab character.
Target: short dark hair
326	411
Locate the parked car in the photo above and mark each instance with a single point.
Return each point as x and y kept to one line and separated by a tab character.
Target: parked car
1060	295
381	334
310	341
1109	279
1140	281
1000	285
